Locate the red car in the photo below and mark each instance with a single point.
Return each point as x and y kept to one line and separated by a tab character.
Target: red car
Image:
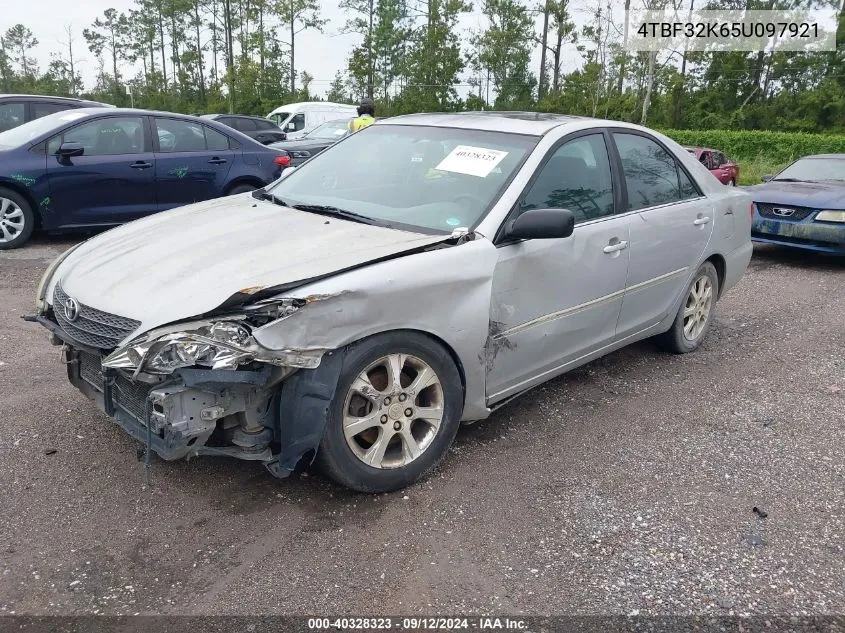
719	165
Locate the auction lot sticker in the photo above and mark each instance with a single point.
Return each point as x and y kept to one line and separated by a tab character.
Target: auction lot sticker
473	161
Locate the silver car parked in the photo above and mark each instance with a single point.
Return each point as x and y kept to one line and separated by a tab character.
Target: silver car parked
415	275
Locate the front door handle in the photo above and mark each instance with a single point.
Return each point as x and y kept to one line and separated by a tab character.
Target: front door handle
701	221
615	247
140	165
217	161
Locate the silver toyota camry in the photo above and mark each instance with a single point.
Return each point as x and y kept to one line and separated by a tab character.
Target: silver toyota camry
415	275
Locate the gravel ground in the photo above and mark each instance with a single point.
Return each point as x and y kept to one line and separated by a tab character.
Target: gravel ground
624	487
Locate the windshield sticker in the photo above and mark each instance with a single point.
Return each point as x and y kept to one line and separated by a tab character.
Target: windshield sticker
453	221
473	161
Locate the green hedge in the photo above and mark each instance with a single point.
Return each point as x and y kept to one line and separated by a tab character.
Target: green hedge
774	147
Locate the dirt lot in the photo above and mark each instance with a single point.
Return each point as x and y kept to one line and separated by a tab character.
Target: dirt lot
626	486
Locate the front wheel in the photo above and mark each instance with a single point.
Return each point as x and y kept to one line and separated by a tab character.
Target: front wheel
17	220
696	312
396	411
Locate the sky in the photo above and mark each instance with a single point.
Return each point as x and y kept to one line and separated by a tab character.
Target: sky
320	54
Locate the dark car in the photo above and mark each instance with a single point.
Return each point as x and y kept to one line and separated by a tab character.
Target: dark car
262	130
803	206
103	166
725	170
16	110
315	141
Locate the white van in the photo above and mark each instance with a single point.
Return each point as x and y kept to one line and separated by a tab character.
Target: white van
296	119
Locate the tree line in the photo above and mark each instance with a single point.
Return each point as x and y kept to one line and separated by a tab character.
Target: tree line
202	56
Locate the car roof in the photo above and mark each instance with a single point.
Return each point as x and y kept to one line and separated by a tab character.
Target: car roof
239	136
837	156
139	112
534	123
701	149
240	116
50	98
317	105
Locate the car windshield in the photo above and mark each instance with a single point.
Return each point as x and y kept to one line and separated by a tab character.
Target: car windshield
814	169
423	178
25	133
332	130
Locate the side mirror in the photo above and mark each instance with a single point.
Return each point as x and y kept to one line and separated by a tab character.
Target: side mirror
542	224
69	150
767	178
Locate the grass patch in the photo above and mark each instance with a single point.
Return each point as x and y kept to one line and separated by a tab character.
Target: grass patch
751	171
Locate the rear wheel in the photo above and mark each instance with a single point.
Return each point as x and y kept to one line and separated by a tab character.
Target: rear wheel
17	220
242	188
396	410
696	312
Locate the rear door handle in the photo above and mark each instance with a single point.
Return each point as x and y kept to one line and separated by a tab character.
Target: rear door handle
616	246
701	221
217	161
140	165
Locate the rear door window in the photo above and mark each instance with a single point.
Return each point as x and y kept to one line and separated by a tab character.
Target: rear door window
40	109
215	140
245	125
180	136
652	175
12	115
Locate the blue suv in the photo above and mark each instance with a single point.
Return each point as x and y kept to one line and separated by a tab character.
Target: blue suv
95	167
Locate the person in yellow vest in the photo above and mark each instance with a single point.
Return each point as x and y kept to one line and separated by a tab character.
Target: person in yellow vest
366	115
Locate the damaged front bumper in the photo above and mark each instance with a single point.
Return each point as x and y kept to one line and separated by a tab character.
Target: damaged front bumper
192	411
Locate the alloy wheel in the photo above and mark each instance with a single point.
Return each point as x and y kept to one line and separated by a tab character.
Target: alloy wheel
392	411
697	309
12	221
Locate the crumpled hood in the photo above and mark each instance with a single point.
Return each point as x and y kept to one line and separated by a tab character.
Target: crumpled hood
819	195
185	262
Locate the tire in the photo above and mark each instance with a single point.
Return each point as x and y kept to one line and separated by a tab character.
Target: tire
681	338
17	221
385	425
242	188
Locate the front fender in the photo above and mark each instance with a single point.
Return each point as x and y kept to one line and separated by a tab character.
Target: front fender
444	292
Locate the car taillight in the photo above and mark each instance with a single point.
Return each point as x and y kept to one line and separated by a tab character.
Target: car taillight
751	210
284	161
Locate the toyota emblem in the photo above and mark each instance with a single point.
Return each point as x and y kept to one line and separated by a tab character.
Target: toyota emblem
71	309
783	211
